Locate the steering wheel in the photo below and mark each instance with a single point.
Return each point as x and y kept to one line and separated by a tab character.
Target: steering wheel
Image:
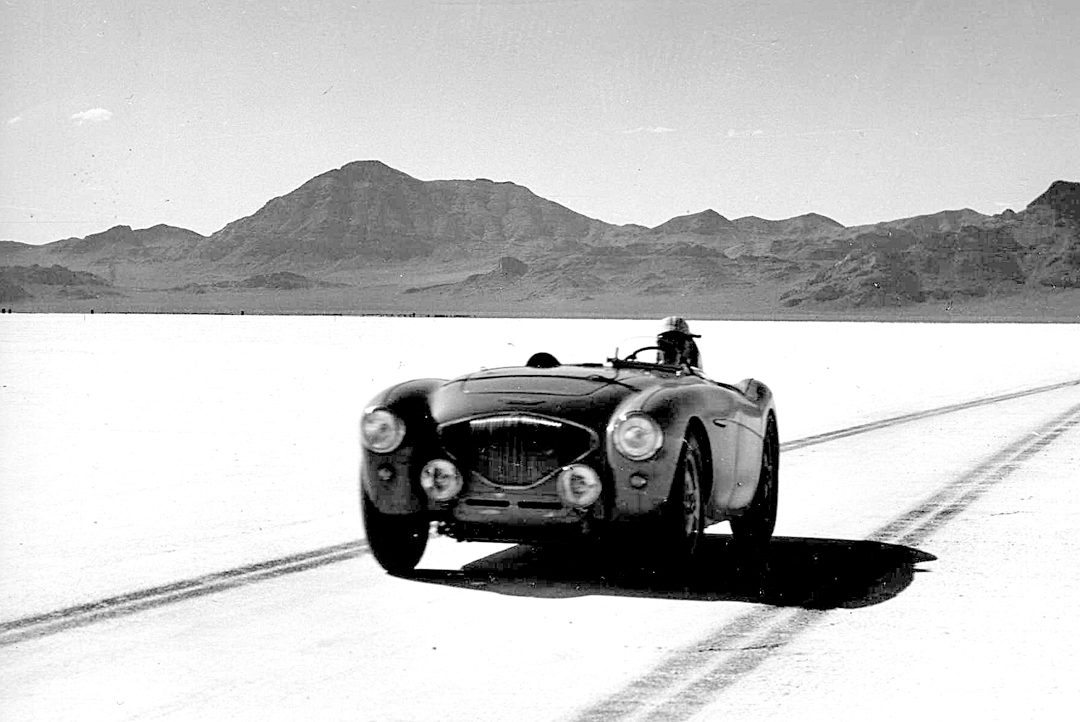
633	356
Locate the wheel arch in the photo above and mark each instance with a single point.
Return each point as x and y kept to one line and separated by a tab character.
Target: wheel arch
400	492
771	422
696	427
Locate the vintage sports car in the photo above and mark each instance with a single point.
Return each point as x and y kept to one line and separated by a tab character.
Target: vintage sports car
551	452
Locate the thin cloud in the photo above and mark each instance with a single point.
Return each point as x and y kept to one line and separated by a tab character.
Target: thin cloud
655	129
837	131
1051	116
94	115
13	121
759	133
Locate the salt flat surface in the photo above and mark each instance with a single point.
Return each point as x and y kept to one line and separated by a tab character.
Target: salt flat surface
139	449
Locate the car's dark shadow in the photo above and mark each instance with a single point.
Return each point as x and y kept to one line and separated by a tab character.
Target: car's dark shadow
795	572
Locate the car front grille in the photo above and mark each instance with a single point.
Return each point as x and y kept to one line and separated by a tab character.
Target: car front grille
516	450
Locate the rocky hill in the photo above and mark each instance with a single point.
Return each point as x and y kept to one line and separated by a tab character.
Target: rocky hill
23	283
707	223
371	231
1062	199
371	211
954	255
160	243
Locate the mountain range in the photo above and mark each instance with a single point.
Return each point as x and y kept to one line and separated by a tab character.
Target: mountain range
368	238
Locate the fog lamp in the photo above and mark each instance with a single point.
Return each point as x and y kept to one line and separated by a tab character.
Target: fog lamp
579	485
441	479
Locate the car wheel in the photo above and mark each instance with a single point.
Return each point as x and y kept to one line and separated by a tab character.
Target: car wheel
397	541
686	508
754	528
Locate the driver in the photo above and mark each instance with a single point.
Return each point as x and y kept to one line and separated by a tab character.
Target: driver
677	345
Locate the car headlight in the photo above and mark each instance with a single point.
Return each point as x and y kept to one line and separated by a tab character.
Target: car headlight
381	431
637	436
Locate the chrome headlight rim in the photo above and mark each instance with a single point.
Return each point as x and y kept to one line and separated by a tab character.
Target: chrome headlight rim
381	430
642	422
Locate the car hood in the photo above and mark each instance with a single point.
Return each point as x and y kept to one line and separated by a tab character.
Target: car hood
559	381
581	392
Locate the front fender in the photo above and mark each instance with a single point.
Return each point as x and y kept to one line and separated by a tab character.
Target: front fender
674	410
392	480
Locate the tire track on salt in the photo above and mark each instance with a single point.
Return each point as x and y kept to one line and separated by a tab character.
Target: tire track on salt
691	678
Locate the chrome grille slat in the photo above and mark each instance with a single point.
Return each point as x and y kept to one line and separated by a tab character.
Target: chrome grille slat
516	450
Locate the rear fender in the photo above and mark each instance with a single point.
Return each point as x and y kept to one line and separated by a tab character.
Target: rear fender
757	392
742	494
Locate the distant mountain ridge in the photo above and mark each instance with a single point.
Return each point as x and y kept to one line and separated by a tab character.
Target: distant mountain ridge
345	224
368	209
155	244
955	254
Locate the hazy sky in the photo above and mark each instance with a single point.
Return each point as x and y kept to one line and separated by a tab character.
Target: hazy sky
195	113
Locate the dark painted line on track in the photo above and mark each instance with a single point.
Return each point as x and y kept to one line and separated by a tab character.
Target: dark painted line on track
41	625
70	617
919	415
691	679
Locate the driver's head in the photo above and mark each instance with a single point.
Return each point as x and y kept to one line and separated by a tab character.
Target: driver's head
674	347
675	341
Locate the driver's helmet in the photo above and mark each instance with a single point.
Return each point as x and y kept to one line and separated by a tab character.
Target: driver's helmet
676	324
677	345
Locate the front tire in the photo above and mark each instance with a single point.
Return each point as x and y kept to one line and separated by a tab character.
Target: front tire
684	521
397	541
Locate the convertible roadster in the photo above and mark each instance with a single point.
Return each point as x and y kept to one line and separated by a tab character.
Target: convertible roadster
551	452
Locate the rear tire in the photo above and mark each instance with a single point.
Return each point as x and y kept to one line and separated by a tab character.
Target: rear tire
754	529
397	541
